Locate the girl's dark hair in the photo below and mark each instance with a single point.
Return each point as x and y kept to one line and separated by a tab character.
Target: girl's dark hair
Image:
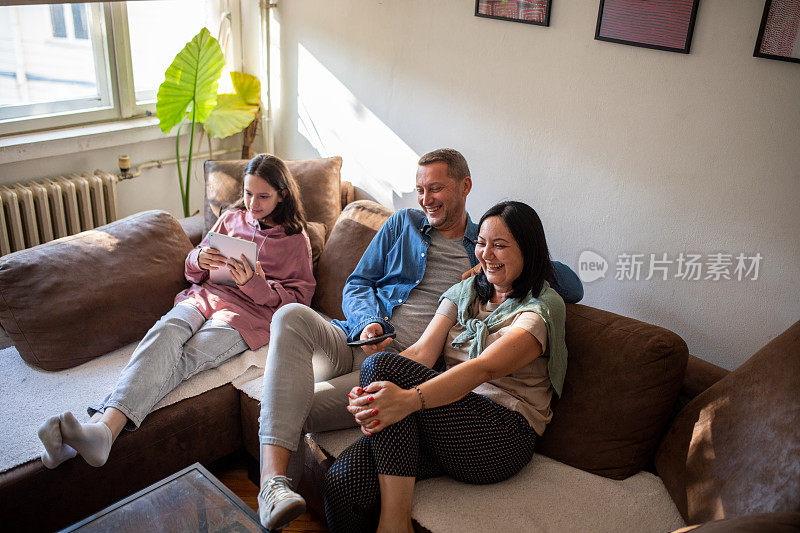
527	230
288	212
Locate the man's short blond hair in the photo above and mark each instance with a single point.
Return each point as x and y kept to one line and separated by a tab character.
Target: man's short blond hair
457	167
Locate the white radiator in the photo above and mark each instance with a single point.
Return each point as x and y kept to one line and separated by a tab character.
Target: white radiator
38	211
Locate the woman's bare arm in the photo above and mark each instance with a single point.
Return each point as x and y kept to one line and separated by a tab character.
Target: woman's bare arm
515	349
429	346
389	403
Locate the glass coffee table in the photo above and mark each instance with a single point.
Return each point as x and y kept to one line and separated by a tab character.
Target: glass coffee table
189	500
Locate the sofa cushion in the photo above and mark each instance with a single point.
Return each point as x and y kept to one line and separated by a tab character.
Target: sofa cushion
317	179
735	448
623	377
546	495
68	301
351	235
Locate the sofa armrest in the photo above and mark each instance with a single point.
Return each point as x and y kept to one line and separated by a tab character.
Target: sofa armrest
700	375
193	226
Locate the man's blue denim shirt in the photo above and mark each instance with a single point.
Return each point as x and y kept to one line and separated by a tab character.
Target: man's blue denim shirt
394	263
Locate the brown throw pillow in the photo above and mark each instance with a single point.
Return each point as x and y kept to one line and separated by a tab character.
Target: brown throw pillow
351	235
68	301
623	377
735	448
317	179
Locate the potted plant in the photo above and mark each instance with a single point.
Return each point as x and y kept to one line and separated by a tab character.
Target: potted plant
189	96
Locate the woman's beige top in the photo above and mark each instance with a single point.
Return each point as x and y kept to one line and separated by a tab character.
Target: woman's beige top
527	390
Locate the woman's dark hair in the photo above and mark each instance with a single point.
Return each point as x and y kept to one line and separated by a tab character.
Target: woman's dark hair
288	213
527	230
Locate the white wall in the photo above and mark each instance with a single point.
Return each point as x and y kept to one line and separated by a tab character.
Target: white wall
619	148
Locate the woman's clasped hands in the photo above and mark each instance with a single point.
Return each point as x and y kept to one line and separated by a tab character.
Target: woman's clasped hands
380	404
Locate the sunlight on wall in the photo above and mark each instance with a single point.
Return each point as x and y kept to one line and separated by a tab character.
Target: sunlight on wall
332	119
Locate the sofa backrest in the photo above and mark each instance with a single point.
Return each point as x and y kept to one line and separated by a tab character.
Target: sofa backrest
68	301
351	235
735	449
623	378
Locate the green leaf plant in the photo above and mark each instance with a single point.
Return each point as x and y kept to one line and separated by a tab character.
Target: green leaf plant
189	93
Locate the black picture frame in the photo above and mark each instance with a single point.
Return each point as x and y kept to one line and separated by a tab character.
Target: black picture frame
681	50
546	22
760	39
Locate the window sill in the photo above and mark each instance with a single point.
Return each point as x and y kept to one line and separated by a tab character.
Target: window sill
63	141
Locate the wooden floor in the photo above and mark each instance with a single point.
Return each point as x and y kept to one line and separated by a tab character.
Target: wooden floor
233	473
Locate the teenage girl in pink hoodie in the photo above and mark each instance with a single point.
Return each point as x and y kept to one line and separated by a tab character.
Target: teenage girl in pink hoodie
210	322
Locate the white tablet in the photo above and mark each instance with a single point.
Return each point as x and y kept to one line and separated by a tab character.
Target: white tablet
230	247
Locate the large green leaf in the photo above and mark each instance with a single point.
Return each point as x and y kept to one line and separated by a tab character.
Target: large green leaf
191	79
231	116
247	86
235	111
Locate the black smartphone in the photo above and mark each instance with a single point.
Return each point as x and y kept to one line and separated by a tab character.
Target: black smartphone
373	340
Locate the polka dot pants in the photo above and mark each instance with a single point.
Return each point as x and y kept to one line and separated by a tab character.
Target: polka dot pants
473	440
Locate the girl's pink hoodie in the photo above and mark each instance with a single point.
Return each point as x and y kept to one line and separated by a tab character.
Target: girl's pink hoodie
286	260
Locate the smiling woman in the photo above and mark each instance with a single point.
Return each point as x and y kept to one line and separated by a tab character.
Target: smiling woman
513	253
502	338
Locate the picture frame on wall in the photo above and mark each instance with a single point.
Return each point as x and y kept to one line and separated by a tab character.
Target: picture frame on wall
526	11
658	24
779	33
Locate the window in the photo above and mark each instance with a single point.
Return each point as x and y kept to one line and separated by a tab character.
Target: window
78	28
67	64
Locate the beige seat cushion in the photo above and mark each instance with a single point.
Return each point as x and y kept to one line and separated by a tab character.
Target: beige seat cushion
545	496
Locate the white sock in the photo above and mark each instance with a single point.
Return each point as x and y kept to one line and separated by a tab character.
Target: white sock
92	440
56	452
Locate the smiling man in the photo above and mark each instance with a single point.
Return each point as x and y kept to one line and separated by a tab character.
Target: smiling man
415	256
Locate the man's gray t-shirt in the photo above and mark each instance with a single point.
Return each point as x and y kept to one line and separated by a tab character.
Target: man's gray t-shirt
447	260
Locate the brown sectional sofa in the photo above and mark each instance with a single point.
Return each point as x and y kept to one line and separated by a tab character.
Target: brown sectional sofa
726	445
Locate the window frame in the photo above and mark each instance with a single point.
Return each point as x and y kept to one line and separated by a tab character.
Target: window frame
117	95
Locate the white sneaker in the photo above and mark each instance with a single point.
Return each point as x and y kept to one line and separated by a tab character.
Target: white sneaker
278	504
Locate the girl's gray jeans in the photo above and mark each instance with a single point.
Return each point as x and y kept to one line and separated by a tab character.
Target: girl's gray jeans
181	344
